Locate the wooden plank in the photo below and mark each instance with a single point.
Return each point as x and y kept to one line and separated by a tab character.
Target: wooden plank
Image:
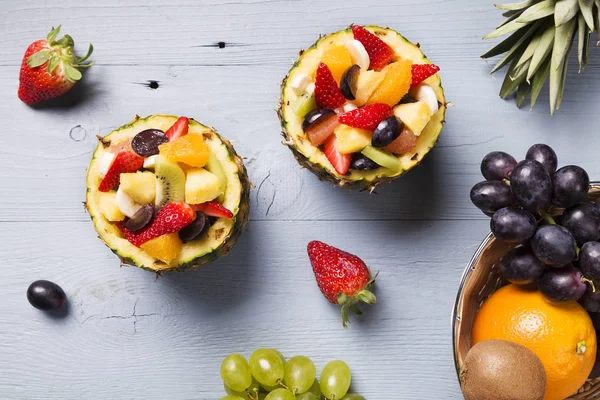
130	336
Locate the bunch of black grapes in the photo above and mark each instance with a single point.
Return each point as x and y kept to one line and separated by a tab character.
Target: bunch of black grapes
560	253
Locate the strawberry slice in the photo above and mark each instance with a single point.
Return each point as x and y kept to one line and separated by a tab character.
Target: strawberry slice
213	209
171	218
379	52
420	72
125	161
327	91
367	117
341	162
179	128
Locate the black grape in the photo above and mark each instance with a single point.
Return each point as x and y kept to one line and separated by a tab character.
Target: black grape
589	260
562	285
571	185
513	225
521	266
497	165
491	195
543	154
554	245
583	221
531	185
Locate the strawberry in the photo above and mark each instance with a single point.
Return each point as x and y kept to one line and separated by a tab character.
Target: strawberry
367	117
420	72
327	91
49	68
125	161
171	218
213	209
340	162
379	52
179	129
343	278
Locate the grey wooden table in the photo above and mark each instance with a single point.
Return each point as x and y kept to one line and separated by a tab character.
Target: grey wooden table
129	336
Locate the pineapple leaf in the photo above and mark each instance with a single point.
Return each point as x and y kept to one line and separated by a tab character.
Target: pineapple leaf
529	50
510	18
504	29
562	43
565	11
587	10
561	90
542	51
519	36
583	42
537	11
517	49
538	82
516	6
522	93
514	77
512	13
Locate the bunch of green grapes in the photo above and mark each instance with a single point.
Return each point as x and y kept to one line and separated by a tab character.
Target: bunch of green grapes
268	376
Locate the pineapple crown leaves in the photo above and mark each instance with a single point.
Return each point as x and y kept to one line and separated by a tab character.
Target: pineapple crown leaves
61	52
542	33
350	303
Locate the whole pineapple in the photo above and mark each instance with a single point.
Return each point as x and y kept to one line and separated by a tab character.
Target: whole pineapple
543	32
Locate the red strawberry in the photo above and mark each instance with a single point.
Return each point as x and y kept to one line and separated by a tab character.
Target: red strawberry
367	117
327	91
213	209
341	162
343	278
49	68
125	161
420	72
171	218
179	129
379	52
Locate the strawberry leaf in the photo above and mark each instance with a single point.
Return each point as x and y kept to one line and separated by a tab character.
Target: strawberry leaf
89	53
53	34
73	74
39	58
53	63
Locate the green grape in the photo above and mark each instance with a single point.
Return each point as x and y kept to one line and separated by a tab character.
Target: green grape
235	372
268	388
299	374
280	394
266	367
252	389
306	396
315	389
231	398
352	396
280	355
335	379
262	396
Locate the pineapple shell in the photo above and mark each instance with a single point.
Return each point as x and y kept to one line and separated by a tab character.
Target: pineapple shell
222	234
310	157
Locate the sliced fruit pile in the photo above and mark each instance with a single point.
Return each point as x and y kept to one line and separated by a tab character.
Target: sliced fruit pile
267	375
364	105
164	190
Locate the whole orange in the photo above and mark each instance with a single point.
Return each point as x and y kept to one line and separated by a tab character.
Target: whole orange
562	336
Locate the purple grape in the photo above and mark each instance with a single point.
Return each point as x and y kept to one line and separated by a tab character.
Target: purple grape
543	154
589	260
554	245
491	195
590	300
513	225
571	185
583	221
562	285
497	165
531	185
521	266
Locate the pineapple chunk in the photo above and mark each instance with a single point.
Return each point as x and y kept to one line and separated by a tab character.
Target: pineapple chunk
415	116
366	84
164	248
107	204
351	140
140	186
202	186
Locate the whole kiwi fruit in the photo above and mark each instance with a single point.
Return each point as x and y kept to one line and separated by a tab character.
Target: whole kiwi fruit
502	370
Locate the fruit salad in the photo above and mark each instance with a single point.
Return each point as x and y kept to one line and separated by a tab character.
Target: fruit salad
167	193
361	107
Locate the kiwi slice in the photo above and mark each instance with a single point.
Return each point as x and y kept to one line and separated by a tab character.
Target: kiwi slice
214	166
304	104
382	158
170	181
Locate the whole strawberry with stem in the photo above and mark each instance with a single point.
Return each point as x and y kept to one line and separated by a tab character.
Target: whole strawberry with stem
50	68
344	279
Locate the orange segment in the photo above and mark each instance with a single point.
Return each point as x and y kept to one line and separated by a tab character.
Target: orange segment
338	59
563	337
189	149
164	248
398	77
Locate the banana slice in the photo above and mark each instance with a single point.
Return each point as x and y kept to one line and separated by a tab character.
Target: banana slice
359	54
426	94
106	162
126	204
299	83
149	162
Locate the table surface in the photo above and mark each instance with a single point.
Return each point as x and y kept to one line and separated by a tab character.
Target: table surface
130	336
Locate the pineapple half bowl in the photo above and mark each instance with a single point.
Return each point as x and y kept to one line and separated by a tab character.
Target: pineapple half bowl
419	109
185	170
